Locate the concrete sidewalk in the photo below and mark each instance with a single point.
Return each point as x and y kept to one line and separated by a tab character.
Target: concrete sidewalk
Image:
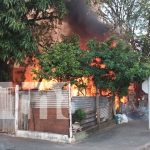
131	136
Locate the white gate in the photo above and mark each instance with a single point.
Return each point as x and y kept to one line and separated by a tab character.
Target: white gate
7	110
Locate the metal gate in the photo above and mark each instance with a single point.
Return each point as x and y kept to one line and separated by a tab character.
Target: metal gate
7	110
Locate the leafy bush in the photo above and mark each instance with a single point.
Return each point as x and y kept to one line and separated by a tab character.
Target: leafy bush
78	116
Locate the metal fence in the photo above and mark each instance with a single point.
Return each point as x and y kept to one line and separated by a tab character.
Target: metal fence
44	111
7	110
88	105
48	111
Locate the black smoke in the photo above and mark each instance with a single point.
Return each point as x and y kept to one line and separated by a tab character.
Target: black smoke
83	20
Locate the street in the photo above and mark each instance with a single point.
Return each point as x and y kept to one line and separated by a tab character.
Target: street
131	136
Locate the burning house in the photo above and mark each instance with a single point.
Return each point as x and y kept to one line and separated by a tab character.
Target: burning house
83	22
80	20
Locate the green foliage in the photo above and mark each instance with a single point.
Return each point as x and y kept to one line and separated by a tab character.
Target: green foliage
14	36
78	116
145	46
16	39
123	62
61	61
112	68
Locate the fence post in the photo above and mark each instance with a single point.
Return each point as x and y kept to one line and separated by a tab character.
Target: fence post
97	107
70	113
16	106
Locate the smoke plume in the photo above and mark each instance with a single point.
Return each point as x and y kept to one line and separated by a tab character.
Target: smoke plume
83	20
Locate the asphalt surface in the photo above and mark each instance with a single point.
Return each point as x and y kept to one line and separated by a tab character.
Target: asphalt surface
131	136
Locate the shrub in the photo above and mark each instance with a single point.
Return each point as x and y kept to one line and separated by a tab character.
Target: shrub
78	116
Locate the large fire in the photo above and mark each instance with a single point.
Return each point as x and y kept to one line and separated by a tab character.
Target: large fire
88	90
87	27
81	21
118	101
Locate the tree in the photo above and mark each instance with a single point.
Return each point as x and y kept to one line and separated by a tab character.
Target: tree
129	18
17	20
62	61
145	41
113	67
16	40
116	66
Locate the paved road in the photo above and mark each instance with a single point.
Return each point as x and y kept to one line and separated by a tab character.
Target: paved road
131	136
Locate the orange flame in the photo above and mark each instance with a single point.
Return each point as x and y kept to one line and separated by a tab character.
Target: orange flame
117	103
90	89
124	99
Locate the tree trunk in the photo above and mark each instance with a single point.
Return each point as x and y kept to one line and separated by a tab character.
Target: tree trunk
113	101
97	107
148	31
